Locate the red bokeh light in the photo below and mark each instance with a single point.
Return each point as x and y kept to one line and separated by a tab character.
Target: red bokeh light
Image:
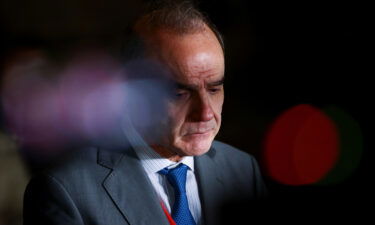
301	146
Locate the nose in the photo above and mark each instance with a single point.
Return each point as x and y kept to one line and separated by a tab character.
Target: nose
201	109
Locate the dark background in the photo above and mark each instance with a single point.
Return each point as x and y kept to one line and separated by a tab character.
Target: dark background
278	55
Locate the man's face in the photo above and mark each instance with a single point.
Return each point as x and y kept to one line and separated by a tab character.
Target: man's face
196	65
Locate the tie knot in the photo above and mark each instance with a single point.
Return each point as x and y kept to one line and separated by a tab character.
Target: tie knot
176	177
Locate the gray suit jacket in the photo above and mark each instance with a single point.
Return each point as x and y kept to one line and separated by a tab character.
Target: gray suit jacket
110	188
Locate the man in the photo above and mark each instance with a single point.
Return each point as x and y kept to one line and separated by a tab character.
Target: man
180	175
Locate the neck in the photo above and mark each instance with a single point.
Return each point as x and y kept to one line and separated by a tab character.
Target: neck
166	153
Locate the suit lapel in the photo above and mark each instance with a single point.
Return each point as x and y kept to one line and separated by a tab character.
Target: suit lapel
210	185
130	189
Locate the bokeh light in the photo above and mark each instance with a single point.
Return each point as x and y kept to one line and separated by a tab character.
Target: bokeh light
351	146
301	147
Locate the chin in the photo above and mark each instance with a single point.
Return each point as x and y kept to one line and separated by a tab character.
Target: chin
194	147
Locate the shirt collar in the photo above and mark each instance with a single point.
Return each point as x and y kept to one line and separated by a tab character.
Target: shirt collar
152	162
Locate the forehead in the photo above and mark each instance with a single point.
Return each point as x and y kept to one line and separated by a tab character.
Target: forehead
191	57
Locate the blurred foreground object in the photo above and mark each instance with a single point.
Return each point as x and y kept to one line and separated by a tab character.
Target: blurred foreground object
13	181
51	107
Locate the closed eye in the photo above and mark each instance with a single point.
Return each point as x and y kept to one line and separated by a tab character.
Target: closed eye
181	93
214	90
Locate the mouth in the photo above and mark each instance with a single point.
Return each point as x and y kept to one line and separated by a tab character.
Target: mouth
199	133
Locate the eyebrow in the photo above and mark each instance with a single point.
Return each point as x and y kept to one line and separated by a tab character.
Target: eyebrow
216	83
192	87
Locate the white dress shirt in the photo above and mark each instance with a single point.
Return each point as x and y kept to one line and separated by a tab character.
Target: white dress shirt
152	162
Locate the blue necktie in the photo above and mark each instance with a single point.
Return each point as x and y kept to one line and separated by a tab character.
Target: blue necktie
180	210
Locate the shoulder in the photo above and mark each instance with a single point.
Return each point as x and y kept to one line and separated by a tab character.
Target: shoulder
78	171
233	160
78	164
227	148
61	193
228	152
238	169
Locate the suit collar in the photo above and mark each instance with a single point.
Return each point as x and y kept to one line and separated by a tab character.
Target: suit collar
130	189
210	185
109	159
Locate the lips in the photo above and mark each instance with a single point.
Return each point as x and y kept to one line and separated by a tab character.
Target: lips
200	132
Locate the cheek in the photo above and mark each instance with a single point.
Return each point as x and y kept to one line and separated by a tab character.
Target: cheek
218	106
176	117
